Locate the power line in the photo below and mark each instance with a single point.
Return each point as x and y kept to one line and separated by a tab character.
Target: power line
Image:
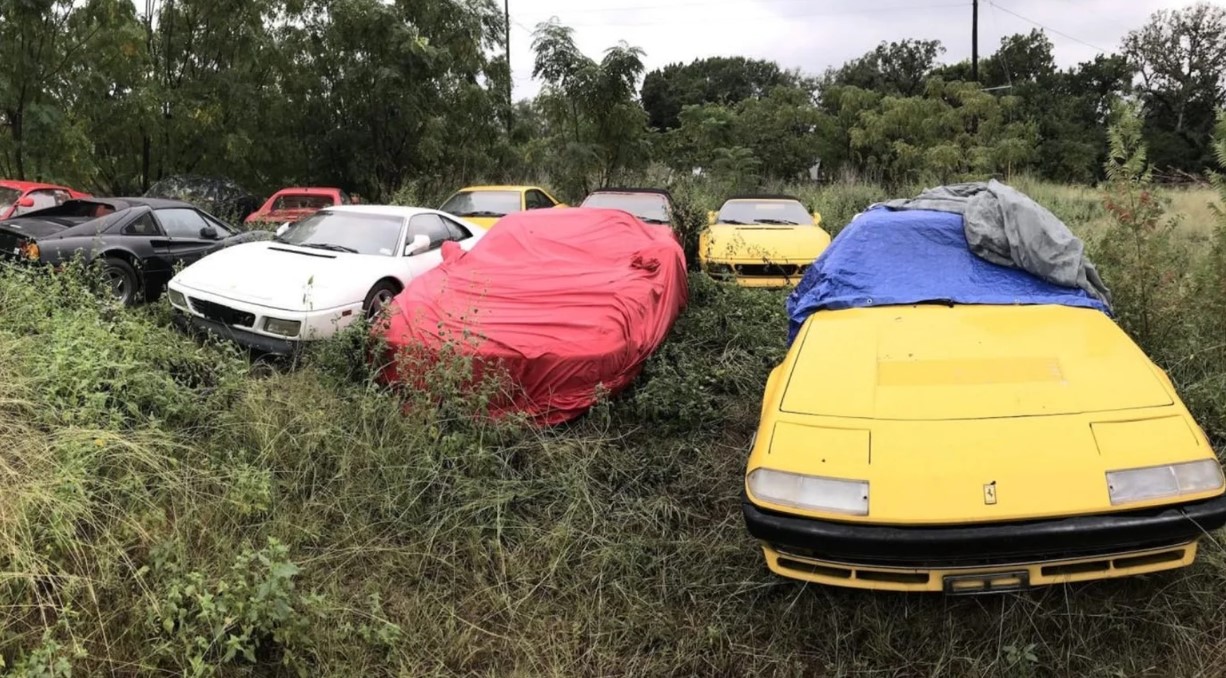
1062	34
785	17
694	3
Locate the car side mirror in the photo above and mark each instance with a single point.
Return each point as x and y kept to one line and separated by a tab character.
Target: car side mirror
711	218
26	201
817	218
420	244
282	228
208	233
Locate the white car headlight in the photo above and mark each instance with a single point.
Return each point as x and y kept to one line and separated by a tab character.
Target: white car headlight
1172	480
810	492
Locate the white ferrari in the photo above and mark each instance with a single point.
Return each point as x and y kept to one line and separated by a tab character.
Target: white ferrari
315	276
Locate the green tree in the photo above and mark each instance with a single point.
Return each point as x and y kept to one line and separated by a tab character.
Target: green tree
1181	58
715	80
594	121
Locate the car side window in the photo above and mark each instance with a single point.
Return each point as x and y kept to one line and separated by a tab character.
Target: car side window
223	231
144	225
537	200
181	222
431	226
457	231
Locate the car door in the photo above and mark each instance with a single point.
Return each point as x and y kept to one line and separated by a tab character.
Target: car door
188	234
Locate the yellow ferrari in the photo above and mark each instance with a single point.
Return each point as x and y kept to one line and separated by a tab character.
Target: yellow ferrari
761	241
964	443
485	205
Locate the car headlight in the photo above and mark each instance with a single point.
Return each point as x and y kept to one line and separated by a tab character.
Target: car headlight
1172	480
810	492
30	251
285	328
177	298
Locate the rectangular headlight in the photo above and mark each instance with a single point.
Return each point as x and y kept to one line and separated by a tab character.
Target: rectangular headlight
285	328
1156	482
176	298
810	492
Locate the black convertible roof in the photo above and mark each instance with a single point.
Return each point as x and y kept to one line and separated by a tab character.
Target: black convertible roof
763	196
126	203
628	189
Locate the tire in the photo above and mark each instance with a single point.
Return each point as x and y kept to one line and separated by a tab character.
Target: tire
378	298
121	280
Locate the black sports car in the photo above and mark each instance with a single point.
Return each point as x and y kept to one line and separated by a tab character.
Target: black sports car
139	241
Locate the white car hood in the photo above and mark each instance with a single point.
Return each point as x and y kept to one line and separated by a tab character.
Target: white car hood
286	277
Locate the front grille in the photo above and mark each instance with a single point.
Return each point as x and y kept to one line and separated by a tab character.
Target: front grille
977	559
771	270
222	314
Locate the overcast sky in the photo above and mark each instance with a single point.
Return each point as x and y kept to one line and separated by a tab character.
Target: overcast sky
813	34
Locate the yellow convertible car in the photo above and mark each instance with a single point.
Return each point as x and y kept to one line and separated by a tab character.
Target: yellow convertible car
761	241
946	424
485	205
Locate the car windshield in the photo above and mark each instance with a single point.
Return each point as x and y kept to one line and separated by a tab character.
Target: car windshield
482	203
302	201
764	212
8	196
650	207
356	233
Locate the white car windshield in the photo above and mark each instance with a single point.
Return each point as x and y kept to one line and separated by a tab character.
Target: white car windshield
356	233
765	212
482	203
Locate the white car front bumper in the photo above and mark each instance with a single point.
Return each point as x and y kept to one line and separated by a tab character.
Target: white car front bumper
247	323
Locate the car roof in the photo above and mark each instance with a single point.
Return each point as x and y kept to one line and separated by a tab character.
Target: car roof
763	197
140	201
28	185
383	210
506	187
309	190
615	189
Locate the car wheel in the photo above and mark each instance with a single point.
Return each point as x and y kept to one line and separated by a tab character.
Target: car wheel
378	299
121	280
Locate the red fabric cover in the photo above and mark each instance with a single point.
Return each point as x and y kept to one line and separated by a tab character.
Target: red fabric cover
564	299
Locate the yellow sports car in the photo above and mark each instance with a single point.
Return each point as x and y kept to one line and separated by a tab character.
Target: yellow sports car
997	435
761	241
485	205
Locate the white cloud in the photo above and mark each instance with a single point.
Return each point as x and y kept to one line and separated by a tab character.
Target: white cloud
815	34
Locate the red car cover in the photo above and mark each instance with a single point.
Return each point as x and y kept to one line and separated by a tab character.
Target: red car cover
568	302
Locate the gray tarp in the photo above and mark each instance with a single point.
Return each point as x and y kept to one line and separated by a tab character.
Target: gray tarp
1006	227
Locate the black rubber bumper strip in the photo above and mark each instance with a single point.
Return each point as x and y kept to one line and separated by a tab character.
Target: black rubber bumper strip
241	337
985	543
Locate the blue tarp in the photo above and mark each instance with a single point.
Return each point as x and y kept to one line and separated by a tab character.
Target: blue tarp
885	258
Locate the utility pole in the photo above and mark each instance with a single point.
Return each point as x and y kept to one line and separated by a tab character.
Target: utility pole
506	9
974	40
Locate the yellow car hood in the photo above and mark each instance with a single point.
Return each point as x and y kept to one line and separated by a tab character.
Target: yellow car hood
971	413
483	222
780	244
968	362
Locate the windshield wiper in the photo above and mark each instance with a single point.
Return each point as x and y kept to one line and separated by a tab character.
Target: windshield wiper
651	220
329	246
776	222
732	222
481	213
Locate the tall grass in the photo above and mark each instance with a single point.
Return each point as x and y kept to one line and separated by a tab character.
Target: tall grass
166	509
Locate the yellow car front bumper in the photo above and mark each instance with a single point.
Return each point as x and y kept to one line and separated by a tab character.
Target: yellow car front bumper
757	274
981	558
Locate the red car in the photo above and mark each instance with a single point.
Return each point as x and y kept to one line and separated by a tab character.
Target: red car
291	204
19	197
